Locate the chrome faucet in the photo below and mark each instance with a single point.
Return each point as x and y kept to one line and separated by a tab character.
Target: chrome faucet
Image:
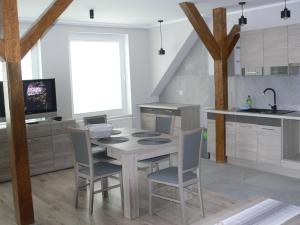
273	107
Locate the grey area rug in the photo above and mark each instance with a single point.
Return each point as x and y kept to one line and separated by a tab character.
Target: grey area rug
267	212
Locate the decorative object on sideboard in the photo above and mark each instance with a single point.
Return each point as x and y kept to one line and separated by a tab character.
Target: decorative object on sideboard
57	118
92	15
242	19
285	14
161	50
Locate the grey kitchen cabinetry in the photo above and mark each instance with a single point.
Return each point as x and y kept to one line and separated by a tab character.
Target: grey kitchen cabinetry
271	51
251	50
275	47
269	144
185	117
253	139
49	148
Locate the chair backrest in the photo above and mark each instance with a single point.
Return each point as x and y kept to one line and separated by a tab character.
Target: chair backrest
94	119
190	150
81	145
164	124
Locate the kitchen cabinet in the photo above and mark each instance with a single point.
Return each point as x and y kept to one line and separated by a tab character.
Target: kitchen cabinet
185	117
248	138
271	51
246	141
275	47
294	43
269	145
251	52
230	139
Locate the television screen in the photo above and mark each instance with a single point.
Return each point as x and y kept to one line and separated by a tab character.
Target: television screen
39	96
2	105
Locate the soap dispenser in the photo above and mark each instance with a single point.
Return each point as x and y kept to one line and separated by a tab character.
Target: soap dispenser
249	101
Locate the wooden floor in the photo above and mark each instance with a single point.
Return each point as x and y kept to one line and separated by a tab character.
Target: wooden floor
53	196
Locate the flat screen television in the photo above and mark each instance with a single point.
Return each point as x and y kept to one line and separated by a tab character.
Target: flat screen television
39	98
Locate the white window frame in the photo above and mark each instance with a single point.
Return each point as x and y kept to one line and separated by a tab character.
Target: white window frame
36	64
122	39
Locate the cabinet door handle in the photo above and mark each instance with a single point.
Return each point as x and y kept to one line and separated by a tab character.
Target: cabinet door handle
245	126
263	128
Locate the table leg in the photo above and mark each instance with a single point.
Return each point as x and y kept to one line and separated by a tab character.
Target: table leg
130	185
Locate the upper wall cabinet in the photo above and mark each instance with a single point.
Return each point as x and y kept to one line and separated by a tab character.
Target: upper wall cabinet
272	51
252	49
294	43
275	47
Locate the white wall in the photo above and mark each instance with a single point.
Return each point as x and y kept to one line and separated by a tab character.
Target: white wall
55	64
174	36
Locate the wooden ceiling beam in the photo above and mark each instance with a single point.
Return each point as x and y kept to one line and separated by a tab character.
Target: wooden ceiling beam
38	29
232	38
201	28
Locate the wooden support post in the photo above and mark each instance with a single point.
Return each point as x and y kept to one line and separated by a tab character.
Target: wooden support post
221	78
10	51
15	118
219	45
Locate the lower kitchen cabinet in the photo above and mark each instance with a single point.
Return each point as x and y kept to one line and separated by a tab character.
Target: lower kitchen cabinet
246	141
185	117
250	141
231	139
269	145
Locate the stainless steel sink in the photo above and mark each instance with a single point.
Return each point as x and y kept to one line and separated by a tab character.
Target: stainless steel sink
266	111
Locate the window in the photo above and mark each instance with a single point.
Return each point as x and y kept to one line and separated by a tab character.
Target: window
98	74
30	64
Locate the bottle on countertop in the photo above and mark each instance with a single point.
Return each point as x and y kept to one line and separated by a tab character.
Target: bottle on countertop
249	101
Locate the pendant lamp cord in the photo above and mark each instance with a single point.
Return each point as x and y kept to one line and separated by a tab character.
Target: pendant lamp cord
161	38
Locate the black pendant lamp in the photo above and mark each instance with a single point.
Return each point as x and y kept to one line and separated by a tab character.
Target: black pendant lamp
161	50
285	14
92	16
242	19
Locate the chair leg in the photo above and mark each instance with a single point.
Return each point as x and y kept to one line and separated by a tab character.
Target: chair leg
76	190
121	189
182	203
91	202
157	166
150	168
150	197
200	194
104	184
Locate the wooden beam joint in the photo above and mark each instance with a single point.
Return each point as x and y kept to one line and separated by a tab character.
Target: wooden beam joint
38	29
202	29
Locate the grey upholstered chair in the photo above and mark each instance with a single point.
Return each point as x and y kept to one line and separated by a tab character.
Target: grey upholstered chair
99	153
86	169
163	124
186	174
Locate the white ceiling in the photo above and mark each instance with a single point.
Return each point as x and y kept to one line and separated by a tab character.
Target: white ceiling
139	13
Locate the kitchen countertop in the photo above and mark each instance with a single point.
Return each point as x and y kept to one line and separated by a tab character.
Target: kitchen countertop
290	116
161	105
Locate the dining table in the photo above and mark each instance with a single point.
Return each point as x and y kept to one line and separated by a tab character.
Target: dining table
129	152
